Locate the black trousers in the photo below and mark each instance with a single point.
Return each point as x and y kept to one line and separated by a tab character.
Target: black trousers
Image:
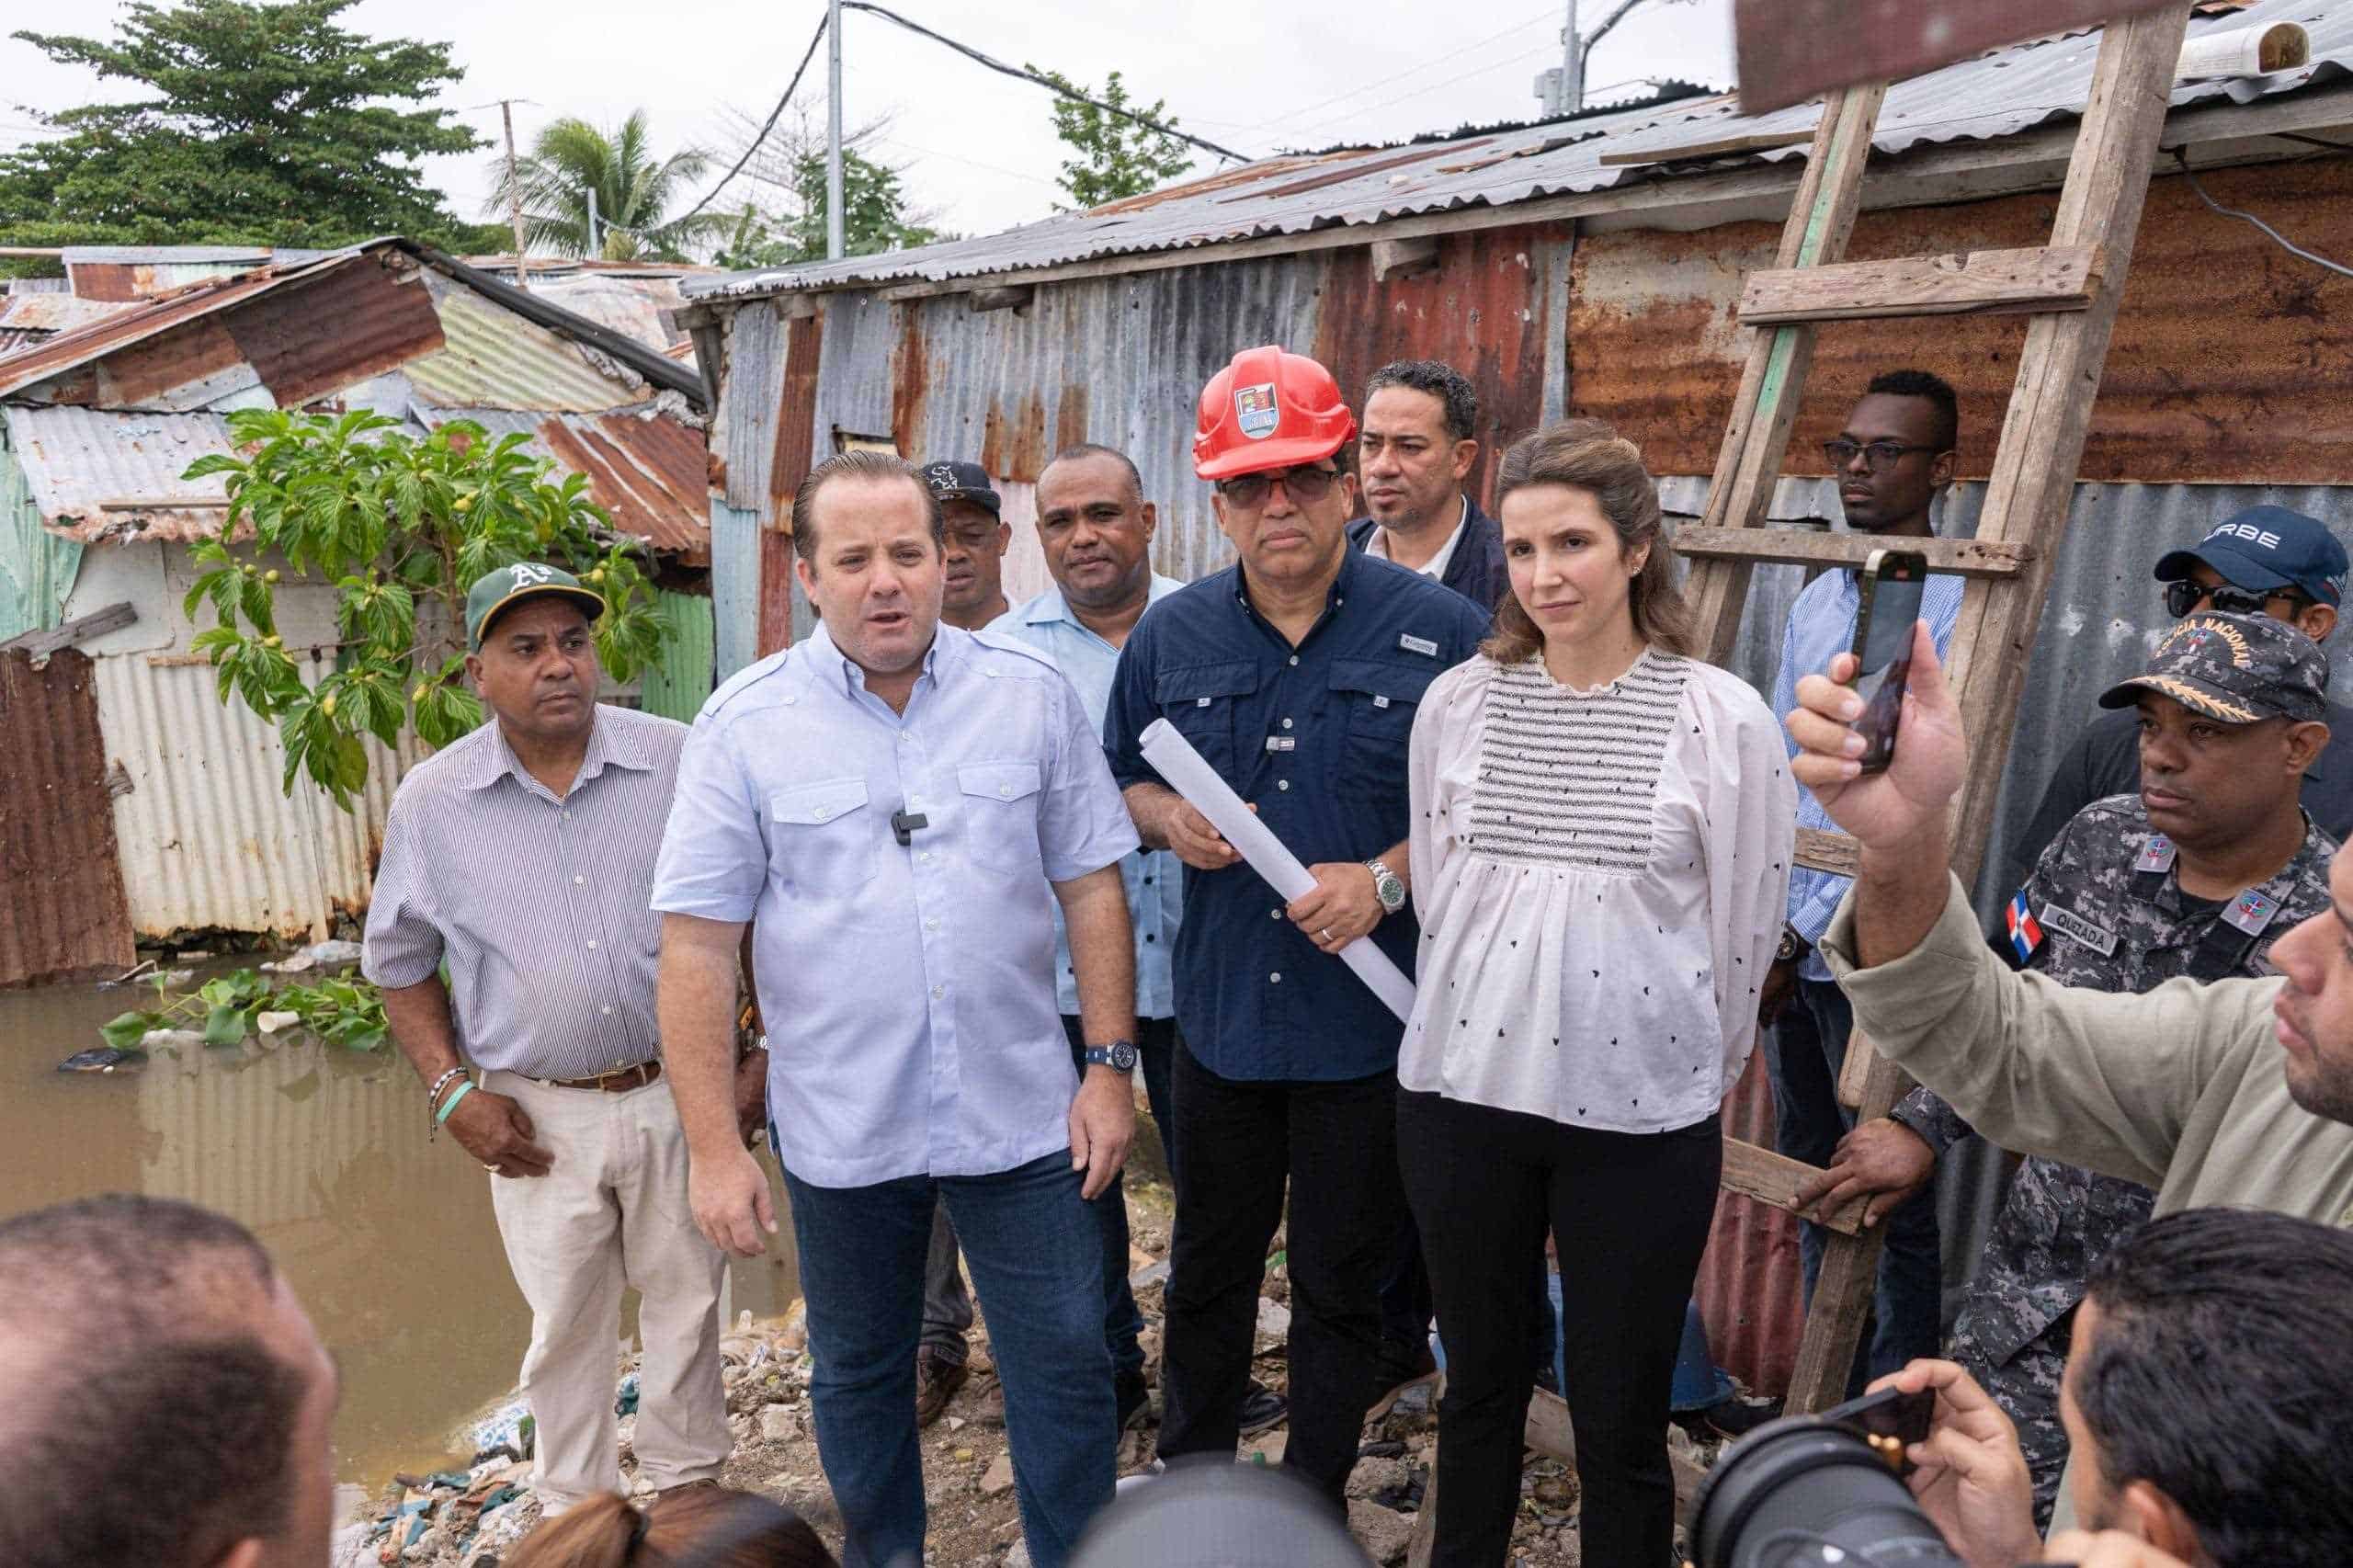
1237	1144
1630	1212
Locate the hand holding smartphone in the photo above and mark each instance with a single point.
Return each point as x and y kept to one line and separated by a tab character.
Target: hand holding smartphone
1891	584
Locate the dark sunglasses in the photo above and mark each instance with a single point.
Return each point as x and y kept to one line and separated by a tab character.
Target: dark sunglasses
1304	486
1877	455
2183	594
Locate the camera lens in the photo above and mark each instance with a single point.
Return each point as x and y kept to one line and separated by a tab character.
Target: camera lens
1806	1490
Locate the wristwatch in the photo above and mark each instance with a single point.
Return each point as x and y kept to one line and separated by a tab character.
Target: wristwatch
1119	1053
1792	945
1385	883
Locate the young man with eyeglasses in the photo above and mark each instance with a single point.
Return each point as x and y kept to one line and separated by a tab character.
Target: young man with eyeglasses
1296	674
2263	561
1893	457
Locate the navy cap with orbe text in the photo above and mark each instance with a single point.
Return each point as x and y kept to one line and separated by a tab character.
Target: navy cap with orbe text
2268	547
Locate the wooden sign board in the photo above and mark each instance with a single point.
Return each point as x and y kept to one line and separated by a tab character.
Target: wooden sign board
1790	51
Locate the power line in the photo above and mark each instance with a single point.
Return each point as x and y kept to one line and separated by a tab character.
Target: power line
1545	15
1057	89
1346	114
774	114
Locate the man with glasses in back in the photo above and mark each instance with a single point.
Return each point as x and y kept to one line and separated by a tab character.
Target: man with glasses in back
2263	561
1893	457
1295	675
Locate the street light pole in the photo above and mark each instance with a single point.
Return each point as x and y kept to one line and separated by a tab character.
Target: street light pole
834	225
1572	65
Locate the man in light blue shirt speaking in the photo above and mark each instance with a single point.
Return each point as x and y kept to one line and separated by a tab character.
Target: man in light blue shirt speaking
896	806
1097	528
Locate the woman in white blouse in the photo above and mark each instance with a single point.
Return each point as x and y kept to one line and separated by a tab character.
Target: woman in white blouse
1600	844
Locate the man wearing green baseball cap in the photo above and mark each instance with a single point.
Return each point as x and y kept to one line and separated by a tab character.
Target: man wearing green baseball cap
519	858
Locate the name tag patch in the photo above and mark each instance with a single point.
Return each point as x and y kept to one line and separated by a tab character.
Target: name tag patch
2067	922
1281	743
1413	644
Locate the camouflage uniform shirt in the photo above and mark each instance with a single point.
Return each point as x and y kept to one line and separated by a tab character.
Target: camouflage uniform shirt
2104	909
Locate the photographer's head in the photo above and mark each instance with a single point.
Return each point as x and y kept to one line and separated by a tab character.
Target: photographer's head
169	1401
2209	1396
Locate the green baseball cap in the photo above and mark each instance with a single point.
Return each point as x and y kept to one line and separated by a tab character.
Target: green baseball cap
497	590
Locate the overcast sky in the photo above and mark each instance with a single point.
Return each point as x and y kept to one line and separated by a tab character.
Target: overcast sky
978	148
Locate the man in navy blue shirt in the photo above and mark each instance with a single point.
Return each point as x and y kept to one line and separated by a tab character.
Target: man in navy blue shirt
1295	675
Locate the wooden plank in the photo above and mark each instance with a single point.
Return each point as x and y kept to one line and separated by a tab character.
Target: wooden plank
1984	282
97	623
2026	503
1855	1072
1772	382
1729	145
1757	1172
1813	546
1403	258
1818	850
1781	60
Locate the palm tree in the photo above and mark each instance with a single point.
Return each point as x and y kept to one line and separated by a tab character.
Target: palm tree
572	157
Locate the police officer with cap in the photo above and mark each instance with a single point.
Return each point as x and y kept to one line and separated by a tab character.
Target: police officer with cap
2263	561
1295	674
2194	876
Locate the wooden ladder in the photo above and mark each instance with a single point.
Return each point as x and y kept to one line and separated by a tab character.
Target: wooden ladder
2072	287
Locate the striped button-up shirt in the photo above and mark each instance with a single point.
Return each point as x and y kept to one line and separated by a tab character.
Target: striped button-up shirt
539	904
907	985
1155	878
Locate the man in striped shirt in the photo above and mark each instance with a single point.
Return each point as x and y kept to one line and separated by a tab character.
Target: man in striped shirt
521	857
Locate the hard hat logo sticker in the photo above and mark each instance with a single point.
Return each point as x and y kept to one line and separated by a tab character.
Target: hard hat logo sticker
1255	410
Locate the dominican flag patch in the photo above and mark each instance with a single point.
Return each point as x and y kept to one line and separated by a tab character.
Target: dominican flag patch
2026	934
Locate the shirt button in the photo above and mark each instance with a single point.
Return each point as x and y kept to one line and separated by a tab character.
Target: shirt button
1282	783
591	946
1286	723
932	924
578	881
914	802
824	812
1006	790
924	856
1294	658
1273	914
937	992
607	1011
1276	978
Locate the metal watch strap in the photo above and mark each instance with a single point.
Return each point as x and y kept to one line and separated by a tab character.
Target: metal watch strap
1382	875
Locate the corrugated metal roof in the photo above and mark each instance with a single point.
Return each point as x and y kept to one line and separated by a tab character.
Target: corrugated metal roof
98	476
62	908
643	309
52	312
2002	95
493	358
643	467
68	350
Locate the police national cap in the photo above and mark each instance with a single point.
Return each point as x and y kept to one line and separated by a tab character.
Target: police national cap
2268	547
494	593
2237	668
954	480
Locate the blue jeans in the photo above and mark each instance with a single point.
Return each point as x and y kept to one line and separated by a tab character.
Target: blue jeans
1036	1259
1122	1319
1809	1051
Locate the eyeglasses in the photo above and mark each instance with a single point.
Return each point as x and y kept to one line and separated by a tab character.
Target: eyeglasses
1877	455
2184	594
1304	486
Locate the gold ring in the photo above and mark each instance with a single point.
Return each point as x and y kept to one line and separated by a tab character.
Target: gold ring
1325	933
492	1169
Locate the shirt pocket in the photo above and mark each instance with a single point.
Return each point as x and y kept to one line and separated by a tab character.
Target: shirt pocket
824	835
1198	703
1000	814
1377	698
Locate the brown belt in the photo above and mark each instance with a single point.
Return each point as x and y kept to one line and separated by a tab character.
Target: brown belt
620	1081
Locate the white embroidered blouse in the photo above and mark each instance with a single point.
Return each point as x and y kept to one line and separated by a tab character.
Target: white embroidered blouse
1600	878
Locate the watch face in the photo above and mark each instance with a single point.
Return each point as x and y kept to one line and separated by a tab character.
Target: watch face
1123	1056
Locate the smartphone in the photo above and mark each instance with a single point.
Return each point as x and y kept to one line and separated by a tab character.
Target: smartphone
1892	582
1890	1421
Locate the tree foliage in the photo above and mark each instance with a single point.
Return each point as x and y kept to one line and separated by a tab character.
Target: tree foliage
786	226
1115	158
634	188
258	124
403	526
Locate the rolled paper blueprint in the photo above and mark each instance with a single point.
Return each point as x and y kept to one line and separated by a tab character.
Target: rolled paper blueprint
1174	757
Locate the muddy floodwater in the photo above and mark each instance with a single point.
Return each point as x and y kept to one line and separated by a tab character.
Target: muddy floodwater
388	1238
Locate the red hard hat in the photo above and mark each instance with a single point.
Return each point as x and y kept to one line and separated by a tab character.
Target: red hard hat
1268	409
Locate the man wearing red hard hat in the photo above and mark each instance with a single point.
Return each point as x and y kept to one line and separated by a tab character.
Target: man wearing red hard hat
1295	674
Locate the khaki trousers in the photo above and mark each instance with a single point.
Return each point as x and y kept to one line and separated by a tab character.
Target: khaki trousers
613	1210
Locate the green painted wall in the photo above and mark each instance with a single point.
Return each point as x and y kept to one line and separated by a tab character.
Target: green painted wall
678	685
37	568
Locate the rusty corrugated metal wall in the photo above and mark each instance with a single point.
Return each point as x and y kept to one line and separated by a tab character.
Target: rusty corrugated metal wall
1117	360
2232	362
62	912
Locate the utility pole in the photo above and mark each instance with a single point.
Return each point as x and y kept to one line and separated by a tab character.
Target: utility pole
595	250
834	227
515	197
1572	65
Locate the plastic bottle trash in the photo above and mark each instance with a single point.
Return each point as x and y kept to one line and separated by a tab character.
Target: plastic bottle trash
162	1040
318	954
270	1023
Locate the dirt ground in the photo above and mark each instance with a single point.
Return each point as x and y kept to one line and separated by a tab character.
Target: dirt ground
967	1471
